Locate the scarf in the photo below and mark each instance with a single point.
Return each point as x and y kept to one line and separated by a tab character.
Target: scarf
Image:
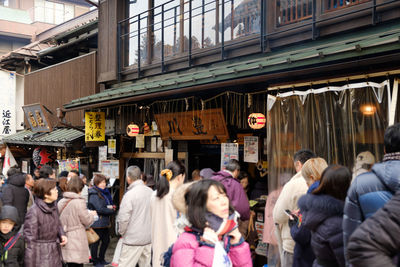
106	195
222	226
391	156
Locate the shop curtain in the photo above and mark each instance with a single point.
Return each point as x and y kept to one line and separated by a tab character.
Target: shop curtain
337	123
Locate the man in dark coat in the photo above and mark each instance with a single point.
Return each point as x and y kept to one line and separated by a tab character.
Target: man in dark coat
14	256
371	190
15	194
376	241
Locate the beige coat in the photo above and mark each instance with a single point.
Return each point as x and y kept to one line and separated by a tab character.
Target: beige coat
74	219
163	230
287	200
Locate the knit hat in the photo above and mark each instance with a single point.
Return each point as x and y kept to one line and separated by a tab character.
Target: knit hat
9	212
207	173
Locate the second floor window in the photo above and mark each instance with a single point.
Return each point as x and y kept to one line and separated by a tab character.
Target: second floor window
52	12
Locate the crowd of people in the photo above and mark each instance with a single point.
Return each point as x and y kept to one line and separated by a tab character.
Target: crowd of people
322	216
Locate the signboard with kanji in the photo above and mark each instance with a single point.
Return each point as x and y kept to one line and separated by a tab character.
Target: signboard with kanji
206	124
37	118
95	129
7	103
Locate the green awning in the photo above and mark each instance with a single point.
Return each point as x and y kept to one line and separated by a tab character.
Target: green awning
338	48
60	137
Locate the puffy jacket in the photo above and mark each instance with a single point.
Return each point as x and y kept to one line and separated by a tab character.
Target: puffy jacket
368	193
322	215
377	241
235	192
15	255
15	194
74	218
42	232
98	203
188	251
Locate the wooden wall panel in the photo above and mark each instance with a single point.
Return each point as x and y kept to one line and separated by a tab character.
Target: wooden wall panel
57	85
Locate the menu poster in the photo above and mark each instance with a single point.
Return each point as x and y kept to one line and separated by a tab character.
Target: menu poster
110	168
68	165
251	149
228	151
102	155
140	141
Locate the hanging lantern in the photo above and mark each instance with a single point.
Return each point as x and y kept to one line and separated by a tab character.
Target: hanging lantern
42	156
256	120
132	130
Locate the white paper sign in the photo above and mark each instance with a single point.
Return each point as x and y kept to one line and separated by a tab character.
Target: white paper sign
7	103
228	151
251	149
112	146
102	155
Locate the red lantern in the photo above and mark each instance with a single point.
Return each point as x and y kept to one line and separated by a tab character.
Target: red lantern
256	120
132	130
42	156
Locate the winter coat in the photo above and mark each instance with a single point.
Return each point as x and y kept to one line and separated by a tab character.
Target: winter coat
163	231
15	194
189	251
376	241
291	192
75	218
235	192
269	227
15	255
322	215
42	232
134	221
98	203
368	193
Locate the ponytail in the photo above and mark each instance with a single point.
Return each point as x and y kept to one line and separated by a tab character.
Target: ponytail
173	169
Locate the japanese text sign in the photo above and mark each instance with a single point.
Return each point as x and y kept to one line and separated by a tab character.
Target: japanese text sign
95	126
193	125
37	118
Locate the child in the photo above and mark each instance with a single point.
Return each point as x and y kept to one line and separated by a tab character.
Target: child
12	244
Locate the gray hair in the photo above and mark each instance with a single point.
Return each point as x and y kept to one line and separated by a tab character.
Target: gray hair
233	165
133	172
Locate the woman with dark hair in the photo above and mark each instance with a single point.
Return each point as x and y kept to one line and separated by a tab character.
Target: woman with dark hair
100	200
322	214
75	218
163	213
43	231
213	221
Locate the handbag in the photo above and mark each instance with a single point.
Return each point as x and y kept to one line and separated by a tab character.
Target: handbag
92	236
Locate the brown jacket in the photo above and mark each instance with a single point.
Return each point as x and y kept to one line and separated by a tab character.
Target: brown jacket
74	218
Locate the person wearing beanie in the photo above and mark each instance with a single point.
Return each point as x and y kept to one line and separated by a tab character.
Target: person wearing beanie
12	243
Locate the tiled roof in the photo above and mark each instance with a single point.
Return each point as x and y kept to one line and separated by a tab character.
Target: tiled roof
61	137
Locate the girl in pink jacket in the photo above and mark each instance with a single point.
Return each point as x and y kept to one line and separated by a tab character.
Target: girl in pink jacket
212	221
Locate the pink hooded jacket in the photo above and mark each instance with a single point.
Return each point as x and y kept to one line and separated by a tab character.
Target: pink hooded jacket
188	252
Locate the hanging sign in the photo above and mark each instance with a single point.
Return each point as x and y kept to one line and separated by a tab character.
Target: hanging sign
112	146
95	130
251	149
68	165
8	117
193	125
132	130
37	118
256	120
110	168
140	141
228	151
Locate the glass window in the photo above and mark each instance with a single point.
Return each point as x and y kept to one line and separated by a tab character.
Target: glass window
39	10
58	13
69	12
48	12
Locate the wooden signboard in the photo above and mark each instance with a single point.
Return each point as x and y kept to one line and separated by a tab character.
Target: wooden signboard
37	118
193	125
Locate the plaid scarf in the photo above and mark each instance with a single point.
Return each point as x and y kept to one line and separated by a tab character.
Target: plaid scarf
391	156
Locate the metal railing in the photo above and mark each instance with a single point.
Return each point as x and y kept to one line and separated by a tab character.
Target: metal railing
170	31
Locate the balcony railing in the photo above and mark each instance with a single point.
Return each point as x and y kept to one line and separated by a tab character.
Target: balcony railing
179	32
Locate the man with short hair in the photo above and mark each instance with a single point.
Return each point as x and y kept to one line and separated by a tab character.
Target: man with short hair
134	222
287	200
29	183
371	190
234	189
47	172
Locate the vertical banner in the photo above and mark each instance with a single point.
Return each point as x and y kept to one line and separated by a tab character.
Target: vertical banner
102	155
95	126
251	149
228	151
7	103
112	146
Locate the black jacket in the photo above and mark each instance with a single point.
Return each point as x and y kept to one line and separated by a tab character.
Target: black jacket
15	256
98	203
377	240
322	215
15	194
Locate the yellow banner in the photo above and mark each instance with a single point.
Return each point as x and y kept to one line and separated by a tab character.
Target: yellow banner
95	126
